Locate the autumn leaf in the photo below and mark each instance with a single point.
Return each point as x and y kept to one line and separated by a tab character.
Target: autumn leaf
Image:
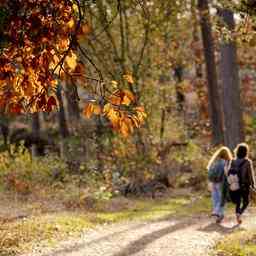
28	70
128	98
71	23
41	101
71	61
91	109
114	83
124	128
15	108
96	109
51	103
88	110
129	79
140	114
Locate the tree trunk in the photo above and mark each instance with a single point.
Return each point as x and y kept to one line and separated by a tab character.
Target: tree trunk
199	85
215	111
233	124
72	103
35	135
61	115
180	98
62	123
99	145
4	126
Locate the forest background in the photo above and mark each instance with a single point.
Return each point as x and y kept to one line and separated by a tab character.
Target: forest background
101	99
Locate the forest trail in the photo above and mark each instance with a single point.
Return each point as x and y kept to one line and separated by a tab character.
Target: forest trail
187	236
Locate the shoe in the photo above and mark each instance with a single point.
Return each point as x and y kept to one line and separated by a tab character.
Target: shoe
220	219
215	215
238	219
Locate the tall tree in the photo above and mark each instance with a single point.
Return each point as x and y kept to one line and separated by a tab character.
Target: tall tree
61	115
180	97
229	74
72	97
63	127
212	81
36	150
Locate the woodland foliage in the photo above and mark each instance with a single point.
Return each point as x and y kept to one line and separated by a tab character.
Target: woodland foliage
132	64
39	48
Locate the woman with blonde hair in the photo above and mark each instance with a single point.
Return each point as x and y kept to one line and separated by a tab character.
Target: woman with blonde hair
216	169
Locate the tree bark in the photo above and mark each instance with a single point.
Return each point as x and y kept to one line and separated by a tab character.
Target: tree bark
61	115
215	111
229	74
180	98
35	135
63	128
72	103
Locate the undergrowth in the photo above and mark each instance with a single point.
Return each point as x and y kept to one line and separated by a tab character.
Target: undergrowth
240	243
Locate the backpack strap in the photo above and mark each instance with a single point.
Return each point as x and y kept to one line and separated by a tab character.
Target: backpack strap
241	164
227	167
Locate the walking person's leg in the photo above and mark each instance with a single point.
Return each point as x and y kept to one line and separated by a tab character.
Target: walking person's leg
236	199
245	199
214	199
219	207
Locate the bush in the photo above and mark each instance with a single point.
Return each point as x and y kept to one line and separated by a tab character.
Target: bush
19	170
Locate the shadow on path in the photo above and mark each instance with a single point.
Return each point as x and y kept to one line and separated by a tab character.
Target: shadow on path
213	227
142	243
80	246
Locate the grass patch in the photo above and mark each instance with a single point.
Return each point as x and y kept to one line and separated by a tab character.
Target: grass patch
153	209
240	243
24	235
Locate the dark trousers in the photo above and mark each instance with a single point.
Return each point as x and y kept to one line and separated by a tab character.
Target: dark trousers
239	197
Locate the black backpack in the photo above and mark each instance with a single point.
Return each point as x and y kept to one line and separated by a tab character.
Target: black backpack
234	176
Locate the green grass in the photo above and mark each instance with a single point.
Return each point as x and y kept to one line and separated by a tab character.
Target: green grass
152	209
240	243
47	229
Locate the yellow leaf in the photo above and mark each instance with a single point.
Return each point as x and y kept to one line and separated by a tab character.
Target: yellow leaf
141	115
71	61
96	109
124	128
129	79
129	123
135	121
127	98
107	108
126	101
71	23
113	116
114	83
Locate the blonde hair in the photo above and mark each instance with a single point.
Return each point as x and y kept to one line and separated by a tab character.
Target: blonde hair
223	153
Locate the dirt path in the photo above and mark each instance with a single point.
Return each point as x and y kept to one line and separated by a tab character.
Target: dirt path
181	237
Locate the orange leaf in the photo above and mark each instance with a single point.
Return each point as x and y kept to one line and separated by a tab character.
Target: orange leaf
124	128
41	102
88	110
127	98
129	79
15	108
96	109
51	103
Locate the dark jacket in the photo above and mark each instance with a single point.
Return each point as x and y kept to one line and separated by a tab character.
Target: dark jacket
247	177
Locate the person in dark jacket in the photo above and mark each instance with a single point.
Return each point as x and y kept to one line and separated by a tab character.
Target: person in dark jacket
246	180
